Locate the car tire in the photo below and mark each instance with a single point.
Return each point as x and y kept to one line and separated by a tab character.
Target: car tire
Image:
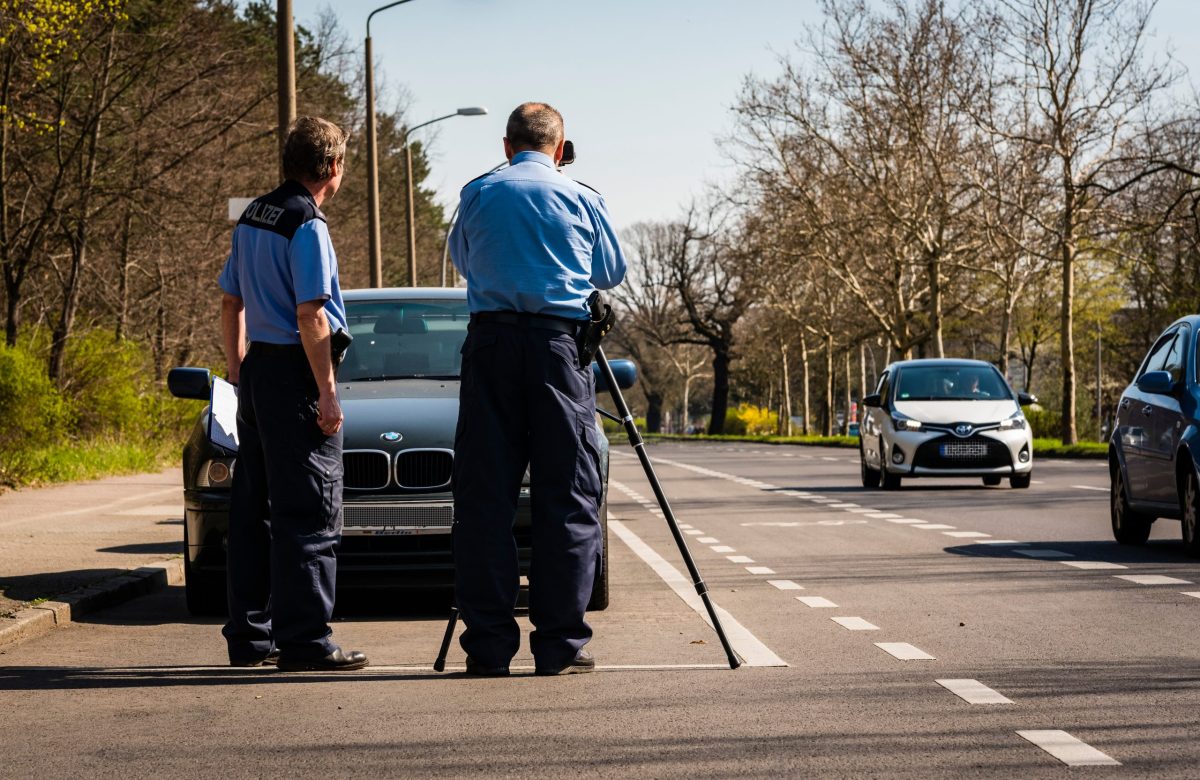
203	591
888	480
1019	481
870	476
1128	526
599	600
1190	516
991	481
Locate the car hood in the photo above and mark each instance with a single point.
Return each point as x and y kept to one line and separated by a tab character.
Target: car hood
976	412
423	411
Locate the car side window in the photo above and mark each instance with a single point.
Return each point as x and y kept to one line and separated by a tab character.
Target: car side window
882	388
1158	353
1176	358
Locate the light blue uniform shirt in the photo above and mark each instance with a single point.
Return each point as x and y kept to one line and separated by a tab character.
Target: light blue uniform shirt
282	256
531	240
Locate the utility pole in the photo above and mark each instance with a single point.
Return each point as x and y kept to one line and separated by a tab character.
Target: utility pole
412	223
376	254
286	65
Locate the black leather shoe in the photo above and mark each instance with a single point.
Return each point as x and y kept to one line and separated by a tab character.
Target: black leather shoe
337	661
584	662
271	659
479	670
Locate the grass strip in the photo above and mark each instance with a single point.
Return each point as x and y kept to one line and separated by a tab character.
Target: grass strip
82	460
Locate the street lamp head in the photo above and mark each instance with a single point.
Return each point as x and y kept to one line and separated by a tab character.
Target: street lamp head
472	111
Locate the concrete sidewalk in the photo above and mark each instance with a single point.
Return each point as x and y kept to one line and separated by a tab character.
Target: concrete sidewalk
60	539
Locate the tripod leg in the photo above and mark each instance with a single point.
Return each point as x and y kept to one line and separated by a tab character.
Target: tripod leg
635	439
440	664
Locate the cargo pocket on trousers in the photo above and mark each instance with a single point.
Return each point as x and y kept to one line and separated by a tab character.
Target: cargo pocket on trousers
328	475
587	471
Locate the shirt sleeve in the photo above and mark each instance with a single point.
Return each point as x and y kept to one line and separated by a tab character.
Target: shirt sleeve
311	257
459	250
228	280
608	261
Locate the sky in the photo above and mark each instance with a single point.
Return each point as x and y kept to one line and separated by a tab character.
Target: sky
645	86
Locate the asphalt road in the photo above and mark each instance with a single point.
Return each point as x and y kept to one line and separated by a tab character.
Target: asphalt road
1000	636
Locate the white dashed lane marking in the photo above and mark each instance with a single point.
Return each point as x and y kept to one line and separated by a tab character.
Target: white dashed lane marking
816	602
934	527
1068	749
974	692
1090	487
1044	554
760	570
967	534
1093	565
855	624
1152	579
904	520
1193	593
693	532
721	548
739	559
904	651
789	585
708	540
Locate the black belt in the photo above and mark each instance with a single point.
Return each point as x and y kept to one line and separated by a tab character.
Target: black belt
276	349
523	320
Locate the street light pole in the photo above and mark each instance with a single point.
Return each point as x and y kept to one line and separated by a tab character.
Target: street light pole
375	251
410	195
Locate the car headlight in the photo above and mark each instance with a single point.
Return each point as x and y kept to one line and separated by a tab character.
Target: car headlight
1014	423
215	473
905	424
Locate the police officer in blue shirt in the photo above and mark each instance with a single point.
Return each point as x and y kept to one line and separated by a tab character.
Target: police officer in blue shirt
285	518
532	245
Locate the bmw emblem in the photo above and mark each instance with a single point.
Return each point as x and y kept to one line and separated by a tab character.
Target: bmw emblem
391	437
963	429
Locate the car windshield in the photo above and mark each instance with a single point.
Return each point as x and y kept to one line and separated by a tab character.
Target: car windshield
404	339
951	383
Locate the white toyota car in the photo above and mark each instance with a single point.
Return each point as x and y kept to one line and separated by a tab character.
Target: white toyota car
945	418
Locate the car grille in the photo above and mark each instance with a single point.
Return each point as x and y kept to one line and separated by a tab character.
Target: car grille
365	469
364	515
424	468
949	452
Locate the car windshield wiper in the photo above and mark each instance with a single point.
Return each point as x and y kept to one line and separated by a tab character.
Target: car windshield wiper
389	377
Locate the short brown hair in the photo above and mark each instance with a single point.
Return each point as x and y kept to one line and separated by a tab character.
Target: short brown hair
313	145
534	126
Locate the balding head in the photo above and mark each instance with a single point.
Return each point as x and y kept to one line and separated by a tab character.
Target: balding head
536	127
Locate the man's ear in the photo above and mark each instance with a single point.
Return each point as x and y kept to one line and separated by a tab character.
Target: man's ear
558	150
508	150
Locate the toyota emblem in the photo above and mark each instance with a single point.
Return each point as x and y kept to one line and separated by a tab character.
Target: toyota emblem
963	429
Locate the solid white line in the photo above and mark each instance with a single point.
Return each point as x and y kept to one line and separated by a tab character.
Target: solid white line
1093	565
904	651
760	570
816	602
967	534
933	526
855	624
722	548
1044	553
1152	579
789	585
1068	749
745	644
739	559
973	692
708	540
1089	487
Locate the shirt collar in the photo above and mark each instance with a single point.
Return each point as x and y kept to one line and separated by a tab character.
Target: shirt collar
535	157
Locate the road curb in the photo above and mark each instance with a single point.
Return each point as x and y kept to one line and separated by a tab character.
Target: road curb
39	620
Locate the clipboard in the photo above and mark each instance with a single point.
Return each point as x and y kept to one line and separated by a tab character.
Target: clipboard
222	416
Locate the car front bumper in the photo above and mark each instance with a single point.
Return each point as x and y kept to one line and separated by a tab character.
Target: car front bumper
928	453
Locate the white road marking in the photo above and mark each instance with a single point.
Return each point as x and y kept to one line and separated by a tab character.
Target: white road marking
967	534
1152	579
1193	593
855	624
154	510
1068	749
739	559
693	532
933	526
708	540
1044	554
868	512
842	506
99	509
1093	565
824	500
744	643
883	516
760	570
684	526
973	692
773	525
1037	482
826	458
1003	542
722	548
1090	487
816	602
904	520
904	651
789	585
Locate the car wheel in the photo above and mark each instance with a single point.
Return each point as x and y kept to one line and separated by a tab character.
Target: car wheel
1191	515
870	476
599	600
888	480
204	591
1019	481
991	481
1128	526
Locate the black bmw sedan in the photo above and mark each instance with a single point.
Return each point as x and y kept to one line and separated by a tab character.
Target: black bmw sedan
398	387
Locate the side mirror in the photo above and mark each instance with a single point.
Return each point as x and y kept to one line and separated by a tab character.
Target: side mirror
1157	382
873	400
190	383
625	372
1025	399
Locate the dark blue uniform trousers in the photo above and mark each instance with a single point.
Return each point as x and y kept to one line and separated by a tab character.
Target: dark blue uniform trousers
285	518
524	400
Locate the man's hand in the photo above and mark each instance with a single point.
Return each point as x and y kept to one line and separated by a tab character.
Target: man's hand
329	414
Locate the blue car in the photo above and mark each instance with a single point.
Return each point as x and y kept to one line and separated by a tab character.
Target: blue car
1154	452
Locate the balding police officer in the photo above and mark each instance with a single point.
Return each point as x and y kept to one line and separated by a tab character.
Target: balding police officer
281	290
532	245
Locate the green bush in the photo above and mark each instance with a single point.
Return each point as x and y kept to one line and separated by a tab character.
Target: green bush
30	406
751	420
109	384
1044	423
